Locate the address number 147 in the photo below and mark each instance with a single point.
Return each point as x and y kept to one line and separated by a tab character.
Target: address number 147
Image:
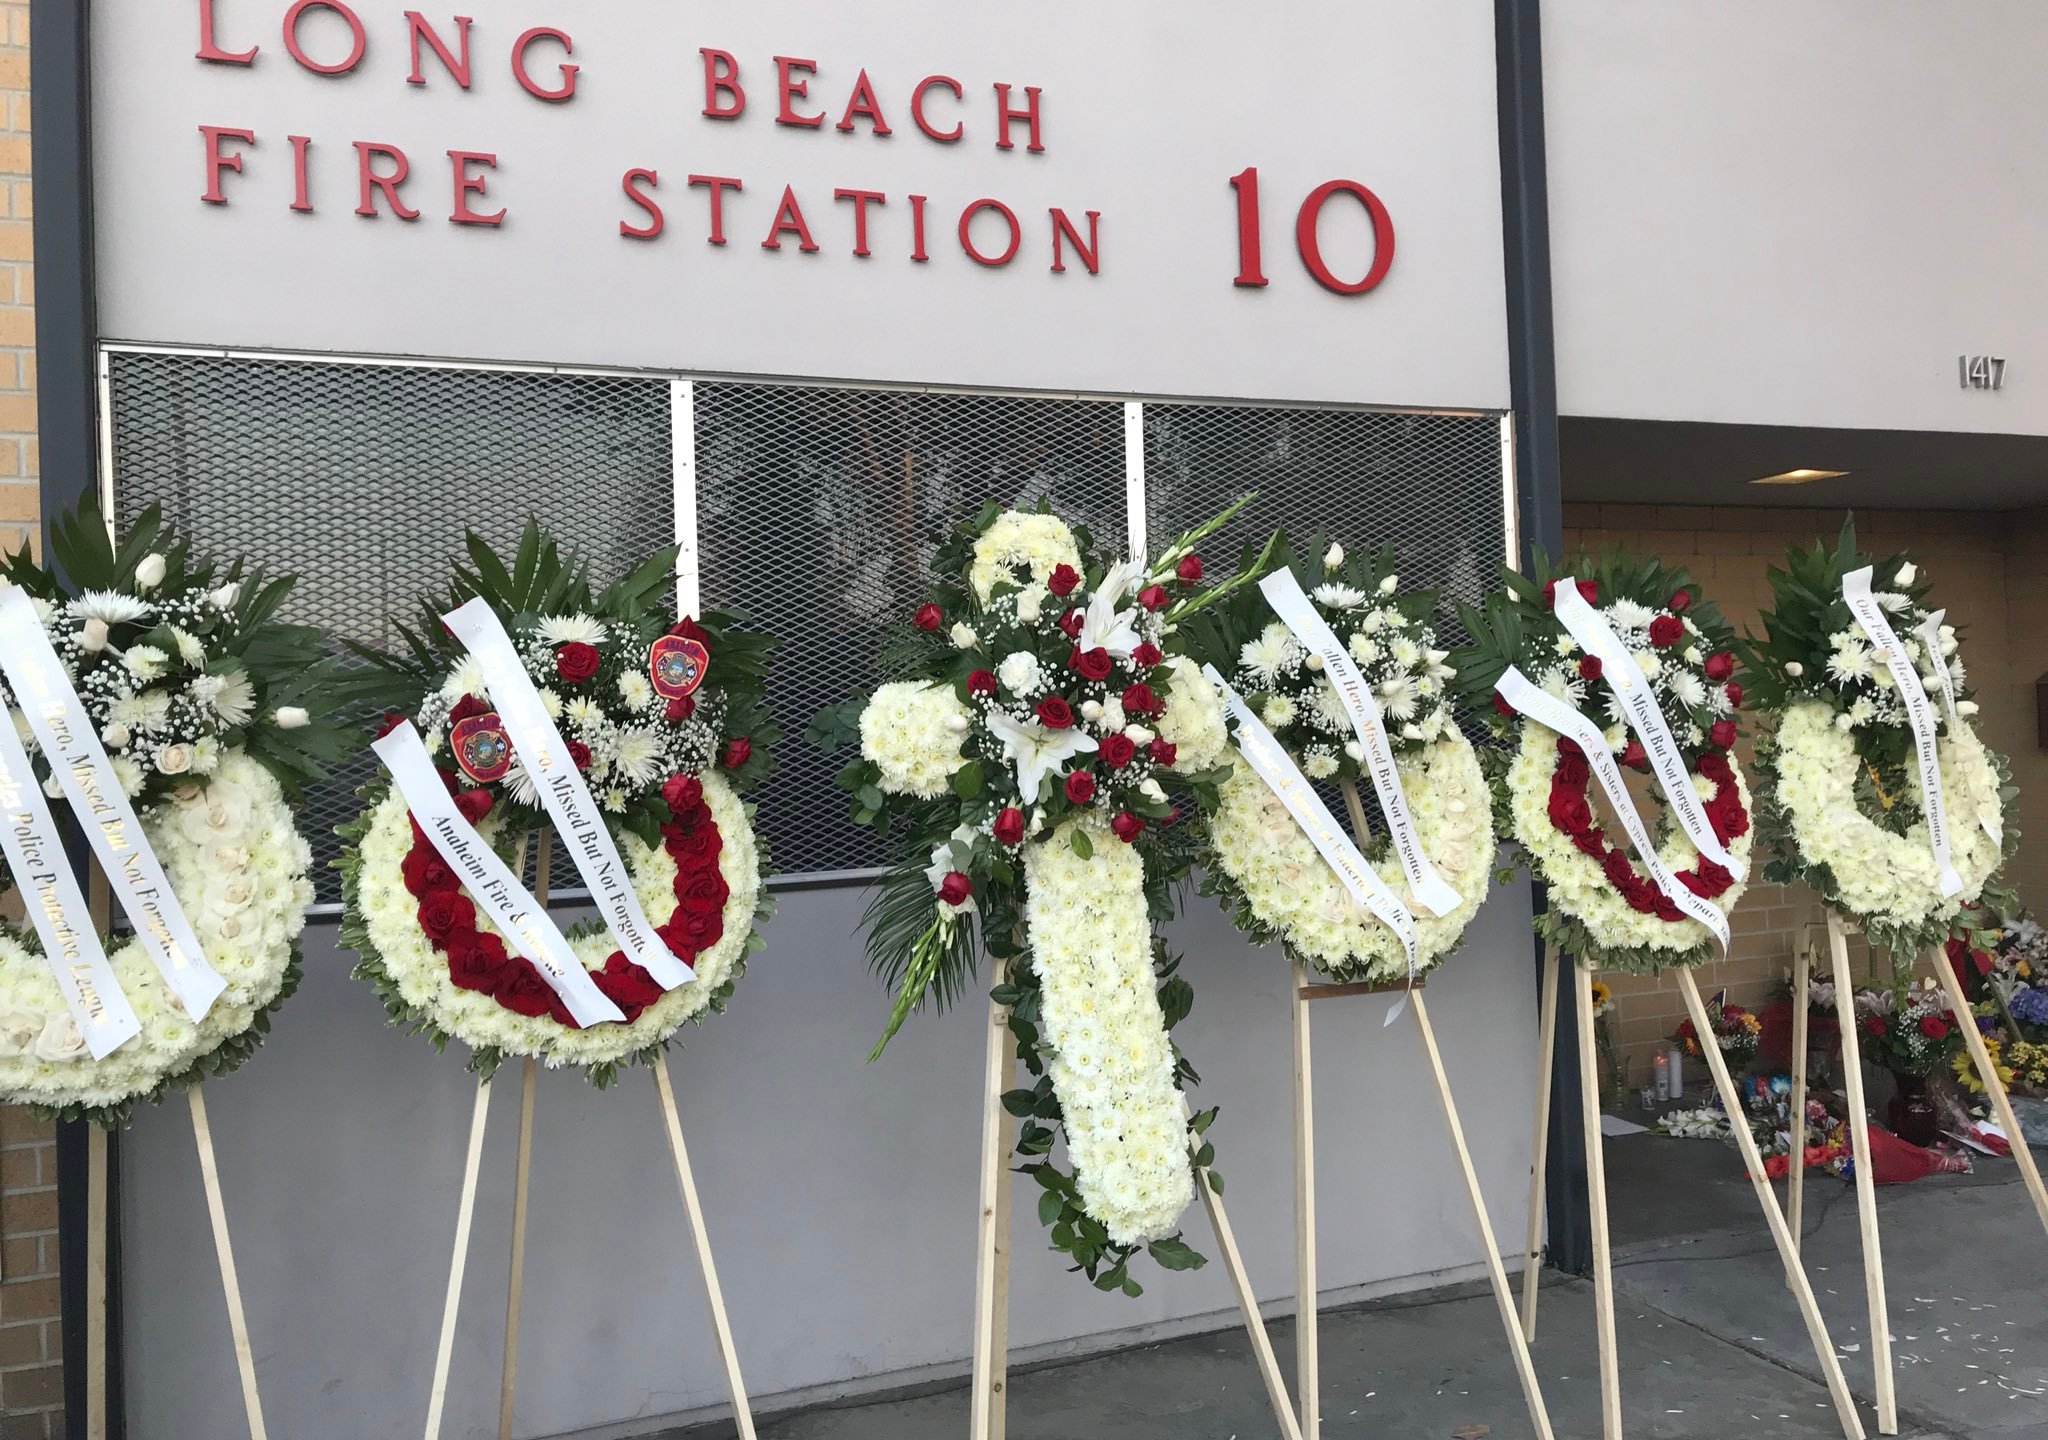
1980	372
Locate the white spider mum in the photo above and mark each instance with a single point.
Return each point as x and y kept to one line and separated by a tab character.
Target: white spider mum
109	606
1339	597
565	629
639	759
1275	652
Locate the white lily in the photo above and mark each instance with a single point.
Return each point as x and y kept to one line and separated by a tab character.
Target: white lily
1106	626
1037	749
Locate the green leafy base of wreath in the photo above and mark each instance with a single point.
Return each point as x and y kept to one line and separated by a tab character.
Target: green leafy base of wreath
223	1059
484	1060
1075	1233
1905	943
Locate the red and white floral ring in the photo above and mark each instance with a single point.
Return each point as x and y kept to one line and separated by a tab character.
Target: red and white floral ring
1596	883
448	964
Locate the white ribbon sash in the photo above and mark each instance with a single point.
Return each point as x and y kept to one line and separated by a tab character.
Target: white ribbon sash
490	882
1930	636
567	799
1639	708
1906	680
65	733
1276	767
1547	710
42	872
1283	592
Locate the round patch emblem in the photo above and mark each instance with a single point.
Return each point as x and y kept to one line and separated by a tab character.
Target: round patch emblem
482	748
677	665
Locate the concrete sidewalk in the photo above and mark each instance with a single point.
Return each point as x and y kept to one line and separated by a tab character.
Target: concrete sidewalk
1711	1342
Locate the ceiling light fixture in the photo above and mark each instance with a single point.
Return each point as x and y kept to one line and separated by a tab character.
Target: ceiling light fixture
1799	477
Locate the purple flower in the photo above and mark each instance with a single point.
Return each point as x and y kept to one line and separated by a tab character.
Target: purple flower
2030	1006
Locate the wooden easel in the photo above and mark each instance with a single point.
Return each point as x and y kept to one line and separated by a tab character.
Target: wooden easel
989	1395
721	1329
100	903
1308	1379
1596	1177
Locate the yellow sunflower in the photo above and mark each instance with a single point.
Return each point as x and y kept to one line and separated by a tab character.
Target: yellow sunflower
1601	994
1966	1069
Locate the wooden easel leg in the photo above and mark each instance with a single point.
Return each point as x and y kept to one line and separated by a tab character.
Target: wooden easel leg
1546	1044
2001	1102
1247	1302
1307	1356
96	1283
1503	1294
1886	1390
989	1399
1596	1185
238	1324
508	1383
437	1399
1795	1177
721	1327
1809	1308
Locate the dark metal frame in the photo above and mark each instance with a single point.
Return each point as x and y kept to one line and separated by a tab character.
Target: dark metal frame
1532	359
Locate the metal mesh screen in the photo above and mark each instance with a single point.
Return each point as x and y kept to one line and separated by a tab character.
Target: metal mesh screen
362	479
818	509
1431	485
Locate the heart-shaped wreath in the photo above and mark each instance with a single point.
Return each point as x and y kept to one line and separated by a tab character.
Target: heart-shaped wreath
211	714
1266	870
665	723
1842	805
1604	902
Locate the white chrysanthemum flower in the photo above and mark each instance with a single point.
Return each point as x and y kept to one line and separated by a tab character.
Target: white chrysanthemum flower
145	662
190	650
466	679
1274	653
1364	649
1893	601
570	629
551	703
1278	712
1339	597
1020	673
1319	763
149	711
635	690
129	774
1626	614
110	607
1690	690
639	759
1407	654
583	713
231	696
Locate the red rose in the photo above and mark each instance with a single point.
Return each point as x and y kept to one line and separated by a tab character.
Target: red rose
738	751
1080	786
1873	1025
700	846
1116	751
576	662
1734	694
391	721
927	617
682	708
1500	703
1009	826
1139	700
1589	667
1591	841
1094	663
694	930
682	793
688	629
1666	631
955	889
1126	826
702	890
424	872
1153	597
521	989
1721	734
1679	601
1634	756
1708	881
474	804
1164	753
1055	713
1189	570
1063	580
1588	590
475	960
580	753
981	682
1146	655
627	985
1934	1027
468	708
1070	622
1573	771
1569	812
1720	665
444	912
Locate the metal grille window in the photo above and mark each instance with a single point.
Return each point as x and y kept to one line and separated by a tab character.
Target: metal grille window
814	508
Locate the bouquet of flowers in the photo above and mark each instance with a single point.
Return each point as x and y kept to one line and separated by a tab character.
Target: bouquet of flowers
208	714
1736	1033
1844	807
1034	774
1908	1029
664	722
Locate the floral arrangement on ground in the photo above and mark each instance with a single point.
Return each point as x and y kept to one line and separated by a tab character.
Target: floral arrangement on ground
1841	809
1601	904
665	723
212	714
1262	867
1737	1033
1034	774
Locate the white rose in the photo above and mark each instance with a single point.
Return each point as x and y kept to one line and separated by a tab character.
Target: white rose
225	597
292	717
1966	707
1333	557
116	735
1091	709
1908	572
1314	661
92	636
174	759
150	573
1390	584
1031	602
1794	669
61	1039
964	637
